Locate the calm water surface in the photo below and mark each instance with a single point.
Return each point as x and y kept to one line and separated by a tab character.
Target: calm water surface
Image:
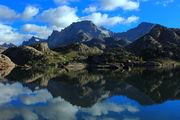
52	94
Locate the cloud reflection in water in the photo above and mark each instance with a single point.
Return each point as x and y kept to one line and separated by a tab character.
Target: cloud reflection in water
19	101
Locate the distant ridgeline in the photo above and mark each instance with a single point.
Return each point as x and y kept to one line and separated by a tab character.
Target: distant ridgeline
84	42
88	33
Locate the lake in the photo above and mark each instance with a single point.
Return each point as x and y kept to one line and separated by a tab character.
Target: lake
56	94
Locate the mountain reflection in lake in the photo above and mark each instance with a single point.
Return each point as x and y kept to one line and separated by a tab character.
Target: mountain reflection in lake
53	94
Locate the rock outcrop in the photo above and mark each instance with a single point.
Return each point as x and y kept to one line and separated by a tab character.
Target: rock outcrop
6	65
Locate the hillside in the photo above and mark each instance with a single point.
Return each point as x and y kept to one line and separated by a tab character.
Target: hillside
160	43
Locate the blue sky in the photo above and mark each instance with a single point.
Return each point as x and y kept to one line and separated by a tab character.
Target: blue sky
20	19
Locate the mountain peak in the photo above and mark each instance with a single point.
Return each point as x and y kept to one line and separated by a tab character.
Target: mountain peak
77	32
33	40
146	23
85	22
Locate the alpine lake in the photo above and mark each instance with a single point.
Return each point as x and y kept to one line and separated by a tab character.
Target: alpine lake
61	94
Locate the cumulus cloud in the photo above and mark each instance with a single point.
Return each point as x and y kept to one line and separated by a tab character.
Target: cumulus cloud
10	35
60	17
29	12
90	9
40	31
103	19
132	19
110	5
7	14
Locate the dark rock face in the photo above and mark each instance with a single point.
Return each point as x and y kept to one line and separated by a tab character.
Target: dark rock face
23	55
115	55
33	40
160	42
135	33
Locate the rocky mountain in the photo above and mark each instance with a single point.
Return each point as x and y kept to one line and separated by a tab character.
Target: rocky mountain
160	42
33	40
77	32
84	32
7	45
135	33
88	33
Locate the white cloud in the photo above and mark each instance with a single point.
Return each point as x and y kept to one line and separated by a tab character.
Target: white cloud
103	19
29	12
60	17
164	2
40	31
40	96
110	5
53	108
10	35
7	14
90	9
103	109
132	19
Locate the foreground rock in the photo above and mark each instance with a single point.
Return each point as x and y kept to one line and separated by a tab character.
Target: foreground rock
34	54
6	65
2	49
23	55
